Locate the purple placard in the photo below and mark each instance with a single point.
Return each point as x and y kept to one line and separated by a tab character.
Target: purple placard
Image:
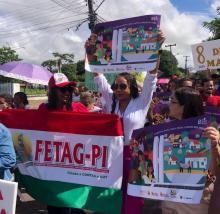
150	22
124	45
214	112
170	161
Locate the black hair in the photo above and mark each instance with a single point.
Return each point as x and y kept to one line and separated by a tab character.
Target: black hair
150	164
215	76
23	97
181	81
133	88
175	81
53	100
191	100
207	79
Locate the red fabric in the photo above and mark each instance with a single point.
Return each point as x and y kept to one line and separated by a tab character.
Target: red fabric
76	107
79	107
64	122
212	100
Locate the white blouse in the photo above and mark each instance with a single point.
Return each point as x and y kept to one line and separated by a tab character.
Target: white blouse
134	116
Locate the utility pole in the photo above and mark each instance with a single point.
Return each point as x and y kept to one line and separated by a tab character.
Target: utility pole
92	15
186	69
170	46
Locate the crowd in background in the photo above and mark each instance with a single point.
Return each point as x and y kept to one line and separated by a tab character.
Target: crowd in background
126	99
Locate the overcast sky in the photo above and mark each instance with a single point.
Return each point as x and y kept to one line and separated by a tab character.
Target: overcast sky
37	28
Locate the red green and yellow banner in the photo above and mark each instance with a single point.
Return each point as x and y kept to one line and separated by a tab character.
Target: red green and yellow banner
69	159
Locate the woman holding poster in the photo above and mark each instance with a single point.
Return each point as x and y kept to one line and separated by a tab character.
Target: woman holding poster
123	98
186	103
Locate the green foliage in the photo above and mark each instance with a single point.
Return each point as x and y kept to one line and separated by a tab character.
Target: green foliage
65	58
50	65
80	67
69	70
214	27
8	55
34	91
168	64
139	76
74	71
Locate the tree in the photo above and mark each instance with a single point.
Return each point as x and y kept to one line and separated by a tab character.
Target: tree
214	27
80	67
65	58
69	70
7	55
51	65
168	64
65	63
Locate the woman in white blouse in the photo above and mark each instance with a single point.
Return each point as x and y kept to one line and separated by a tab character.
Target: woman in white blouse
123	98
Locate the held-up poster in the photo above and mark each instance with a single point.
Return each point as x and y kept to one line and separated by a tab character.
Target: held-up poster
214	112
123	45
206	55
170	161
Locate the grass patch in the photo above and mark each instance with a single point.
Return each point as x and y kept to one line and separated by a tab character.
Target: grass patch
34	91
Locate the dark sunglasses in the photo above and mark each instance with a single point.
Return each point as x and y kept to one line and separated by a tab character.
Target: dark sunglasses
65	89
121	86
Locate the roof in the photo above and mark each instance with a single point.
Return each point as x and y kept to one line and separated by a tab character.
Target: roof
173	158
153	40
166	149
195	142
195	155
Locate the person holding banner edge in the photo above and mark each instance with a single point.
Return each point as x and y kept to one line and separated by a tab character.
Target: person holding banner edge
60	99
7	153
123	98
185	103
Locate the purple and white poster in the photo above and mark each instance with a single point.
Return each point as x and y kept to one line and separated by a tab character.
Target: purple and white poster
170	161
124	45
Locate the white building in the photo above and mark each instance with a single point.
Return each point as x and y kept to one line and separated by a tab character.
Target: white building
172	160
197	160
194	144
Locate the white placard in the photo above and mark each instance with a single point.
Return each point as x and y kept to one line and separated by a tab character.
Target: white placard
8	196
206	55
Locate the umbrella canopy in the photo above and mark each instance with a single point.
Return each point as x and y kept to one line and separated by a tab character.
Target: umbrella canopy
25	71
163	81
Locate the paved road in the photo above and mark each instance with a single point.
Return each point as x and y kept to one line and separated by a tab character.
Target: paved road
27	205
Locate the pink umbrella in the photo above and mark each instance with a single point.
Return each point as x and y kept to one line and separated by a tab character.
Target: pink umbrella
163	81
25	71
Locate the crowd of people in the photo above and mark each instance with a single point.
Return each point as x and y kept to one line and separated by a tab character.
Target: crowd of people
186	98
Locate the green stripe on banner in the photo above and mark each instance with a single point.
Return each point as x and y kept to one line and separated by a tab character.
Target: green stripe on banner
72	195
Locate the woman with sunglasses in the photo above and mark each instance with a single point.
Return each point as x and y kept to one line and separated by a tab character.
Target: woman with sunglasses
60	99
124	99
185	103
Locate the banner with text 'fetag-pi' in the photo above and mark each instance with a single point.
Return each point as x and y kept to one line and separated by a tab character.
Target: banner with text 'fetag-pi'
69	159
